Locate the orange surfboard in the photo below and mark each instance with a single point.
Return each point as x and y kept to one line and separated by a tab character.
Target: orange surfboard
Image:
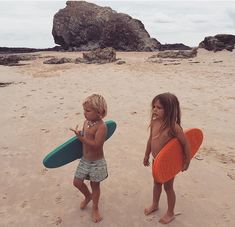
169	160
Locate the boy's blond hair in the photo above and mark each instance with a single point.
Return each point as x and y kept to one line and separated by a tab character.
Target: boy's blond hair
98	103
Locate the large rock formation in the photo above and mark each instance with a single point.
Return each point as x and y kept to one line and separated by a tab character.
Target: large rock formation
86	26
175	46
218	42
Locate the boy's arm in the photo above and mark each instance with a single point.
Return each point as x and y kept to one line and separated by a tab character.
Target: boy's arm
99	137
186	148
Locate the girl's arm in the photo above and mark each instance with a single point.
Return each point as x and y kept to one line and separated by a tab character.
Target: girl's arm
186	148
148	150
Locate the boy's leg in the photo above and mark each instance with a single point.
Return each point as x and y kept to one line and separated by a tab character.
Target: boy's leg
81	186
157	189
169	216
95	186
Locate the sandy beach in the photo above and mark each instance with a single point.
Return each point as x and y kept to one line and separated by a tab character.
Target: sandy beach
44	101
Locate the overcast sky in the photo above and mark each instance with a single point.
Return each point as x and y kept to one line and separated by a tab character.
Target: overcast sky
29	23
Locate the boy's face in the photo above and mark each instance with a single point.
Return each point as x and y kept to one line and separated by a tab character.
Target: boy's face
90	114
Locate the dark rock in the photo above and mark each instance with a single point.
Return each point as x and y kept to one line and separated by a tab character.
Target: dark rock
12	59
98	56
175	54
83	26
4	84
15	50
80	60
55	60
120	62
218	42
175	46
106	54
9	59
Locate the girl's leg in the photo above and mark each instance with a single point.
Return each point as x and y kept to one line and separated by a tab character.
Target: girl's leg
157	189
169	216
81	186
95	186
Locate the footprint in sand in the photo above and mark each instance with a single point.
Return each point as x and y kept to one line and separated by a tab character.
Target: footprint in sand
149	219
134	112
58	199
2	213
46	214
225	218
24	204
231	175
45	130
44	171
4	148
57	221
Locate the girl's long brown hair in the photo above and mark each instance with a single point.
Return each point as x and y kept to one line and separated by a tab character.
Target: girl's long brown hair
172	112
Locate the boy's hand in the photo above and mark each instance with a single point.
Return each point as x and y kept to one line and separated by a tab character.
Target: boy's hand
146	161
77	132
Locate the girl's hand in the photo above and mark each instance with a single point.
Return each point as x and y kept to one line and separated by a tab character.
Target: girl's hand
185	165
146	161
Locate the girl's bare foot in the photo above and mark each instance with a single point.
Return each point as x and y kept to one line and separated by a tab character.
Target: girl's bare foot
96	215
167	218
151	209
85	202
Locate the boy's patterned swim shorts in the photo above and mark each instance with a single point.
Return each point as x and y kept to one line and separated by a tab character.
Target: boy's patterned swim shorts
95	171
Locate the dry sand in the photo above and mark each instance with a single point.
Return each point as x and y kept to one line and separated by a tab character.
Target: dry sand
45	100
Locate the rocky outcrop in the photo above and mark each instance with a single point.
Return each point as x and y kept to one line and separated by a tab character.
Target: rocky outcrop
58	61
176	54
12	59
15	50
175	46
106	54
98	56
85	26
218	42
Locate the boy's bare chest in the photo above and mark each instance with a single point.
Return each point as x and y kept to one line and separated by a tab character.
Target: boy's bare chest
90	132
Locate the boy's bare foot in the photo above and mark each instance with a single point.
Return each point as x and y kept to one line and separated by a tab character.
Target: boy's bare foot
85	202
167	218
96	215
150	210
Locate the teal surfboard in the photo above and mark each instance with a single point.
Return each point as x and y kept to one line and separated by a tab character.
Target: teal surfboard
71	149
